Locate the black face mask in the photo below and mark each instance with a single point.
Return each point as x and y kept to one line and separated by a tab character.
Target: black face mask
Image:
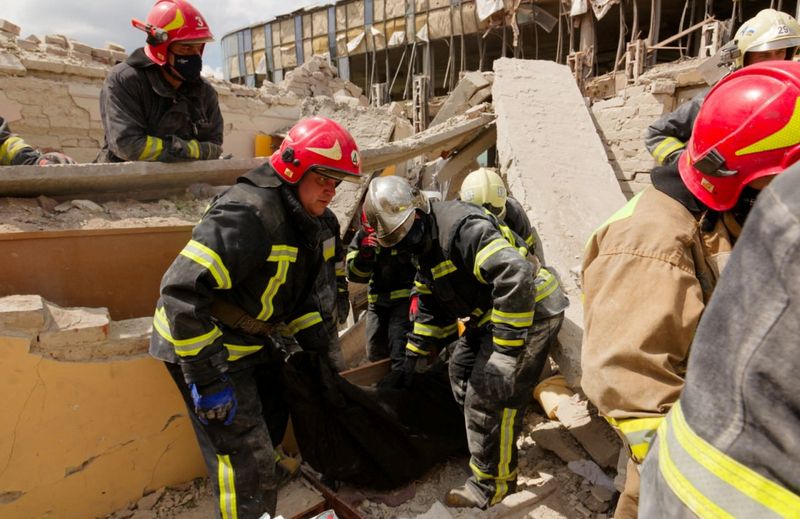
745	204
414	241
189	67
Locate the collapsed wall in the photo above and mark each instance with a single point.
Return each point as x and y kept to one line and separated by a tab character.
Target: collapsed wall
623	112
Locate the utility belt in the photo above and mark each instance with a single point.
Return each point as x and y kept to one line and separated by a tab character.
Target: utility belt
235	317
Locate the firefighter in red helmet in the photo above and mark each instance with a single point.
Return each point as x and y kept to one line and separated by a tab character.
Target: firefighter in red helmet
650	270
155	106
238	292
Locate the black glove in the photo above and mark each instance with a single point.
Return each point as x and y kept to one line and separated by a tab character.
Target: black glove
216	401
210	150
500	375
343	307
411	367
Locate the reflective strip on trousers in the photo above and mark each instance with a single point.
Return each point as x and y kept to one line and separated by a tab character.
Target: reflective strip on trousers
227	487
638	433
507	439
712	484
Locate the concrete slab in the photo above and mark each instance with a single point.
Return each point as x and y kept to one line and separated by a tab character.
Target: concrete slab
555	164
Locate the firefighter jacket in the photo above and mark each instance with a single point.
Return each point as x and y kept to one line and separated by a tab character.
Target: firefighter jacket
471	272
13	150
256	249
332	283
389	272
666	138
146	119
730	447
518	221
648	273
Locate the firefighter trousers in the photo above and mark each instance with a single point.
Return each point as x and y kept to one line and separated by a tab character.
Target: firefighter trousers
387	332
493	424
240	457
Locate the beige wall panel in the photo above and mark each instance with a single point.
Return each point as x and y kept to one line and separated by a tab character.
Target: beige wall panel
320	44
287	31
258	38
420	6
319	22
395	8
419	22
438	4
341	44
277	61
288	56
470	18
341	17
276	34
234	66
306	26
355	14
439	24
308	50
248	63
379	10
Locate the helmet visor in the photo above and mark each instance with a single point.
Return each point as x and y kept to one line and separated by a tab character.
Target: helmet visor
391	237
337	175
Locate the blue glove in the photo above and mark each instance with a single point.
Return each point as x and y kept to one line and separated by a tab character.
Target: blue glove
216	401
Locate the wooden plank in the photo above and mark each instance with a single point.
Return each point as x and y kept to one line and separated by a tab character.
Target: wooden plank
343	509
368	373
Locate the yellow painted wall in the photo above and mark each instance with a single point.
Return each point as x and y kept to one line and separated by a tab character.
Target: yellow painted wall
80	440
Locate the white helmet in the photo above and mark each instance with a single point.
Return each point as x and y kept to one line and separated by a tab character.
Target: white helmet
484	187
768	30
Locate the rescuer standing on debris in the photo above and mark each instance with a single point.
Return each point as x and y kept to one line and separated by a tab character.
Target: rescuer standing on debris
729	447
650	270
247	276
770	35
155	106
16	152
485	188
467	269
390	274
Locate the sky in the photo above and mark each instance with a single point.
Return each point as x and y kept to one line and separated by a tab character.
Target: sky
96	22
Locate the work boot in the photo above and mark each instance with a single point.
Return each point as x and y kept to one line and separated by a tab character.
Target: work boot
463	497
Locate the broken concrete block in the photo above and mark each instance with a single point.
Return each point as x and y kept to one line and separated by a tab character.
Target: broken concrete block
43	65
396	108
592	432
72	328
55	50
118	56
354	89
554	437
77	46
11	65
662	86
459	99
690	77
22	313
57	40
521	501
9	27
480	96
27	44
436	511
115	47
85	70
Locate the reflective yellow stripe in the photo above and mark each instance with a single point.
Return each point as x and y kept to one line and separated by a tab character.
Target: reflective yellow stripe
713	484
183	347
399	294
199	253
506	444
422	288
548	285
153	147
442	269
485	319
283	255
416	350
508	343
638	432
304	321
339	267
227	488
237	351
10	148
486	253
176	22
518	319
328	248
530	240
351	255
357	272
666	147
427	330
789	135
372	298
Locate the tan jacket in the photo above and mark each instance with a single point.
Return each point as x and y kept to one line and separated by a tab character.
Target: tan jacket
648	273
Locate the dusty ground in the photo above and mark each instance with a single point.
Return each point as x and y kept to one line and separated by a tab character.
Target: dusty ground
572	497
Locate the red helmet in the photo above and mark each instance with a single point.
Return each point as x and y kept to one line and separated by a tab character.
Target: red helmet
748	127
318	144
170	21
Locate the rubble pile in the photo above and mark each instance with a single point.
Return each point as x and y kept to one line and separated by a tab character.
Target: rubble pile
316	77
